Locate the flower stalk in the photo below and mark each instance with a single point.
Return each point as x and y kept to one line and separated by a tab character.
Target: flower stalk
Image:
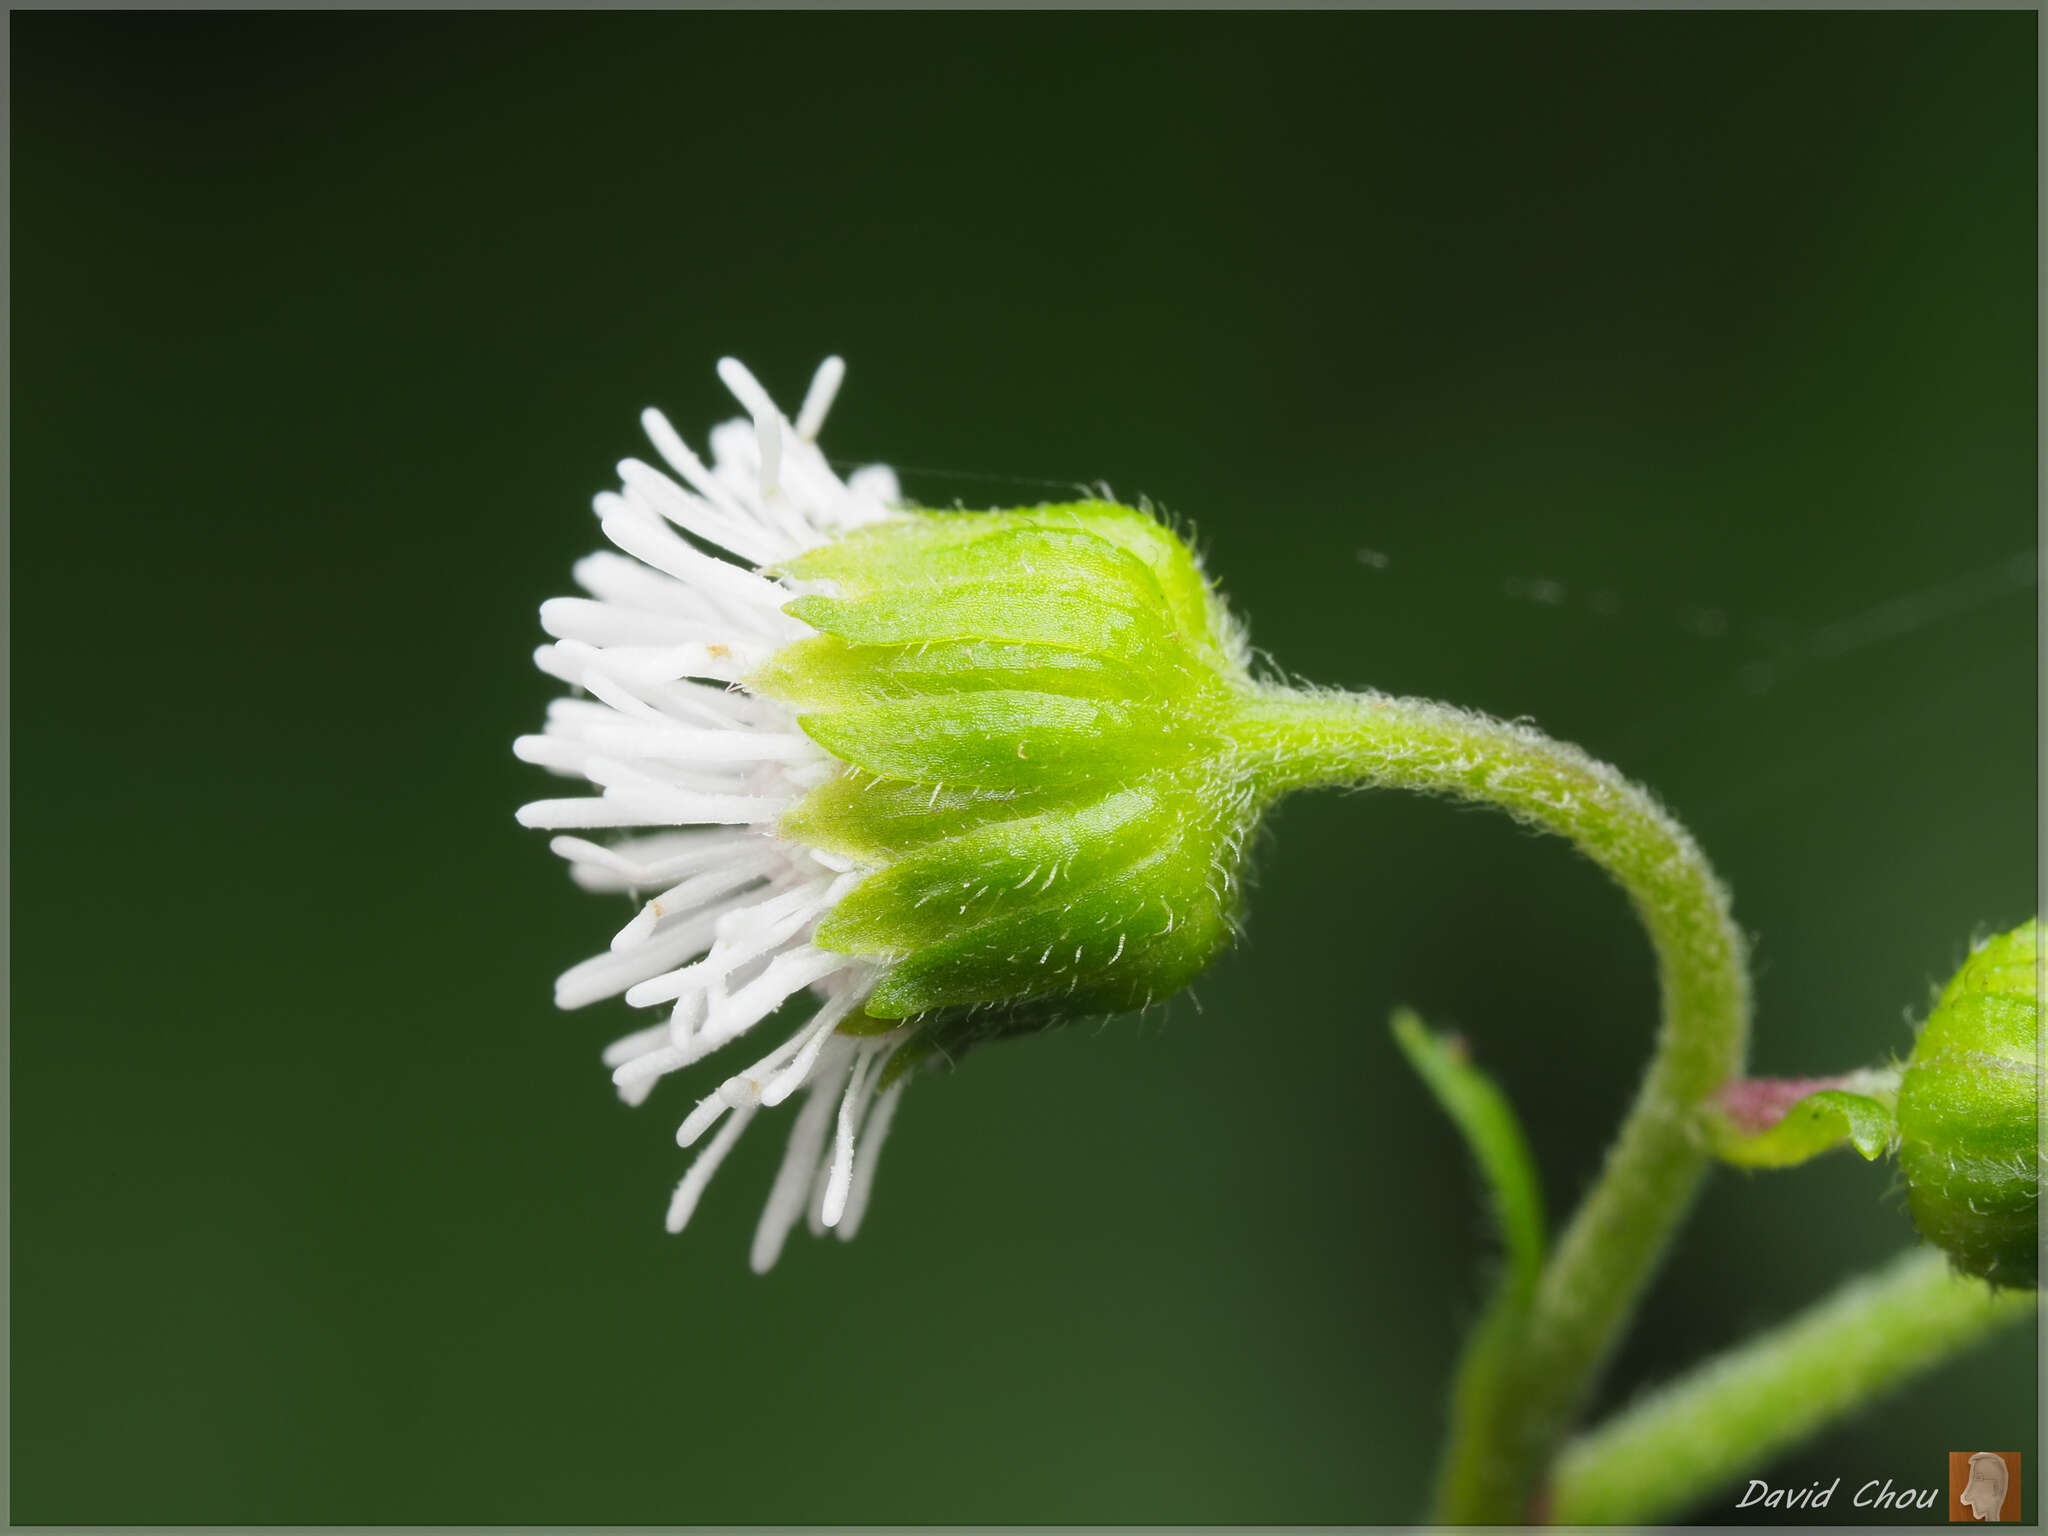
1704	1431
1511	1419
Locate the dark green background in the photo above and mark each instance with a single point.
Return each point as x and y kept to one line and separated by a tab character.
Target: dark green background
326	329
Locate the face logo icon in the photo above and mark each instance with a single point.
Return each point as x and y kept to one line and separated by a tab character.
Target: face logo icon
1983	1484
1986	1489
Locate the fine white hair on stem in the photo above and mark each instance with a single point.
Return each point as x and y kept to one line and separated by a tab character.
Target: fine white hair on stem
693	773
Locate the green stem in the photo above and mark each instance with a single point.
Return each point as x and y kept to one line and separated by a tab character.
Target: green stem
1731	1416
1508	1425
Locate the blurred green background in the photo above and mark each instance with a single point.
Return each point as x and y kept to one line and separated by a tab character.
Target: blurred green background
1669	380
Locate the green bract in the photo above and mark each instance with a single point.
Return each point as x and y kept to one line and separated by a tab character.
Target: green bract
1967	1117
1033	709
1816	1123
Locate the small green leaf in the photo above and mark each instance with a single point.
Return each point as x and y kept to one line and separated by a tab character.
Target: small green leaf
998	738
922	550
1484	1117
1020	611
1120	944
825	672
1014	866
1818	1123
948	546
877	820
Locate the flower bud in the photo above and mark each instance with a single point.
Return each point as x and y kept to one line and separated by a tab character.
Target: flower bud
1032	708
1968	1114
907	780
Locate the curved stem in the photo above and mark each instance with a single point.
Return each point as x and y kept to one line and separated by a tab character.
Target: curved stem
1729	1417
1509	1426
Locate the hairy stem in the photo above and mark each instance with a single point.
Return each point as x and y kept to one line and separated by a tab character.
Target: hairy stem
1729	1417
1510	1421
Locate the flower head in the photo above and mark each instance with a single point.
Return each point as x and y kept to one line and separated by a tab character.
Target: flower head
1969	1114
939	777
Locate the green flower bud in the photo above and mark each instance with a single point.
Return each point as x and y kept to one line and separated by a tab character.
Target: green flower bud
1032	707
1968	1114
905	780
